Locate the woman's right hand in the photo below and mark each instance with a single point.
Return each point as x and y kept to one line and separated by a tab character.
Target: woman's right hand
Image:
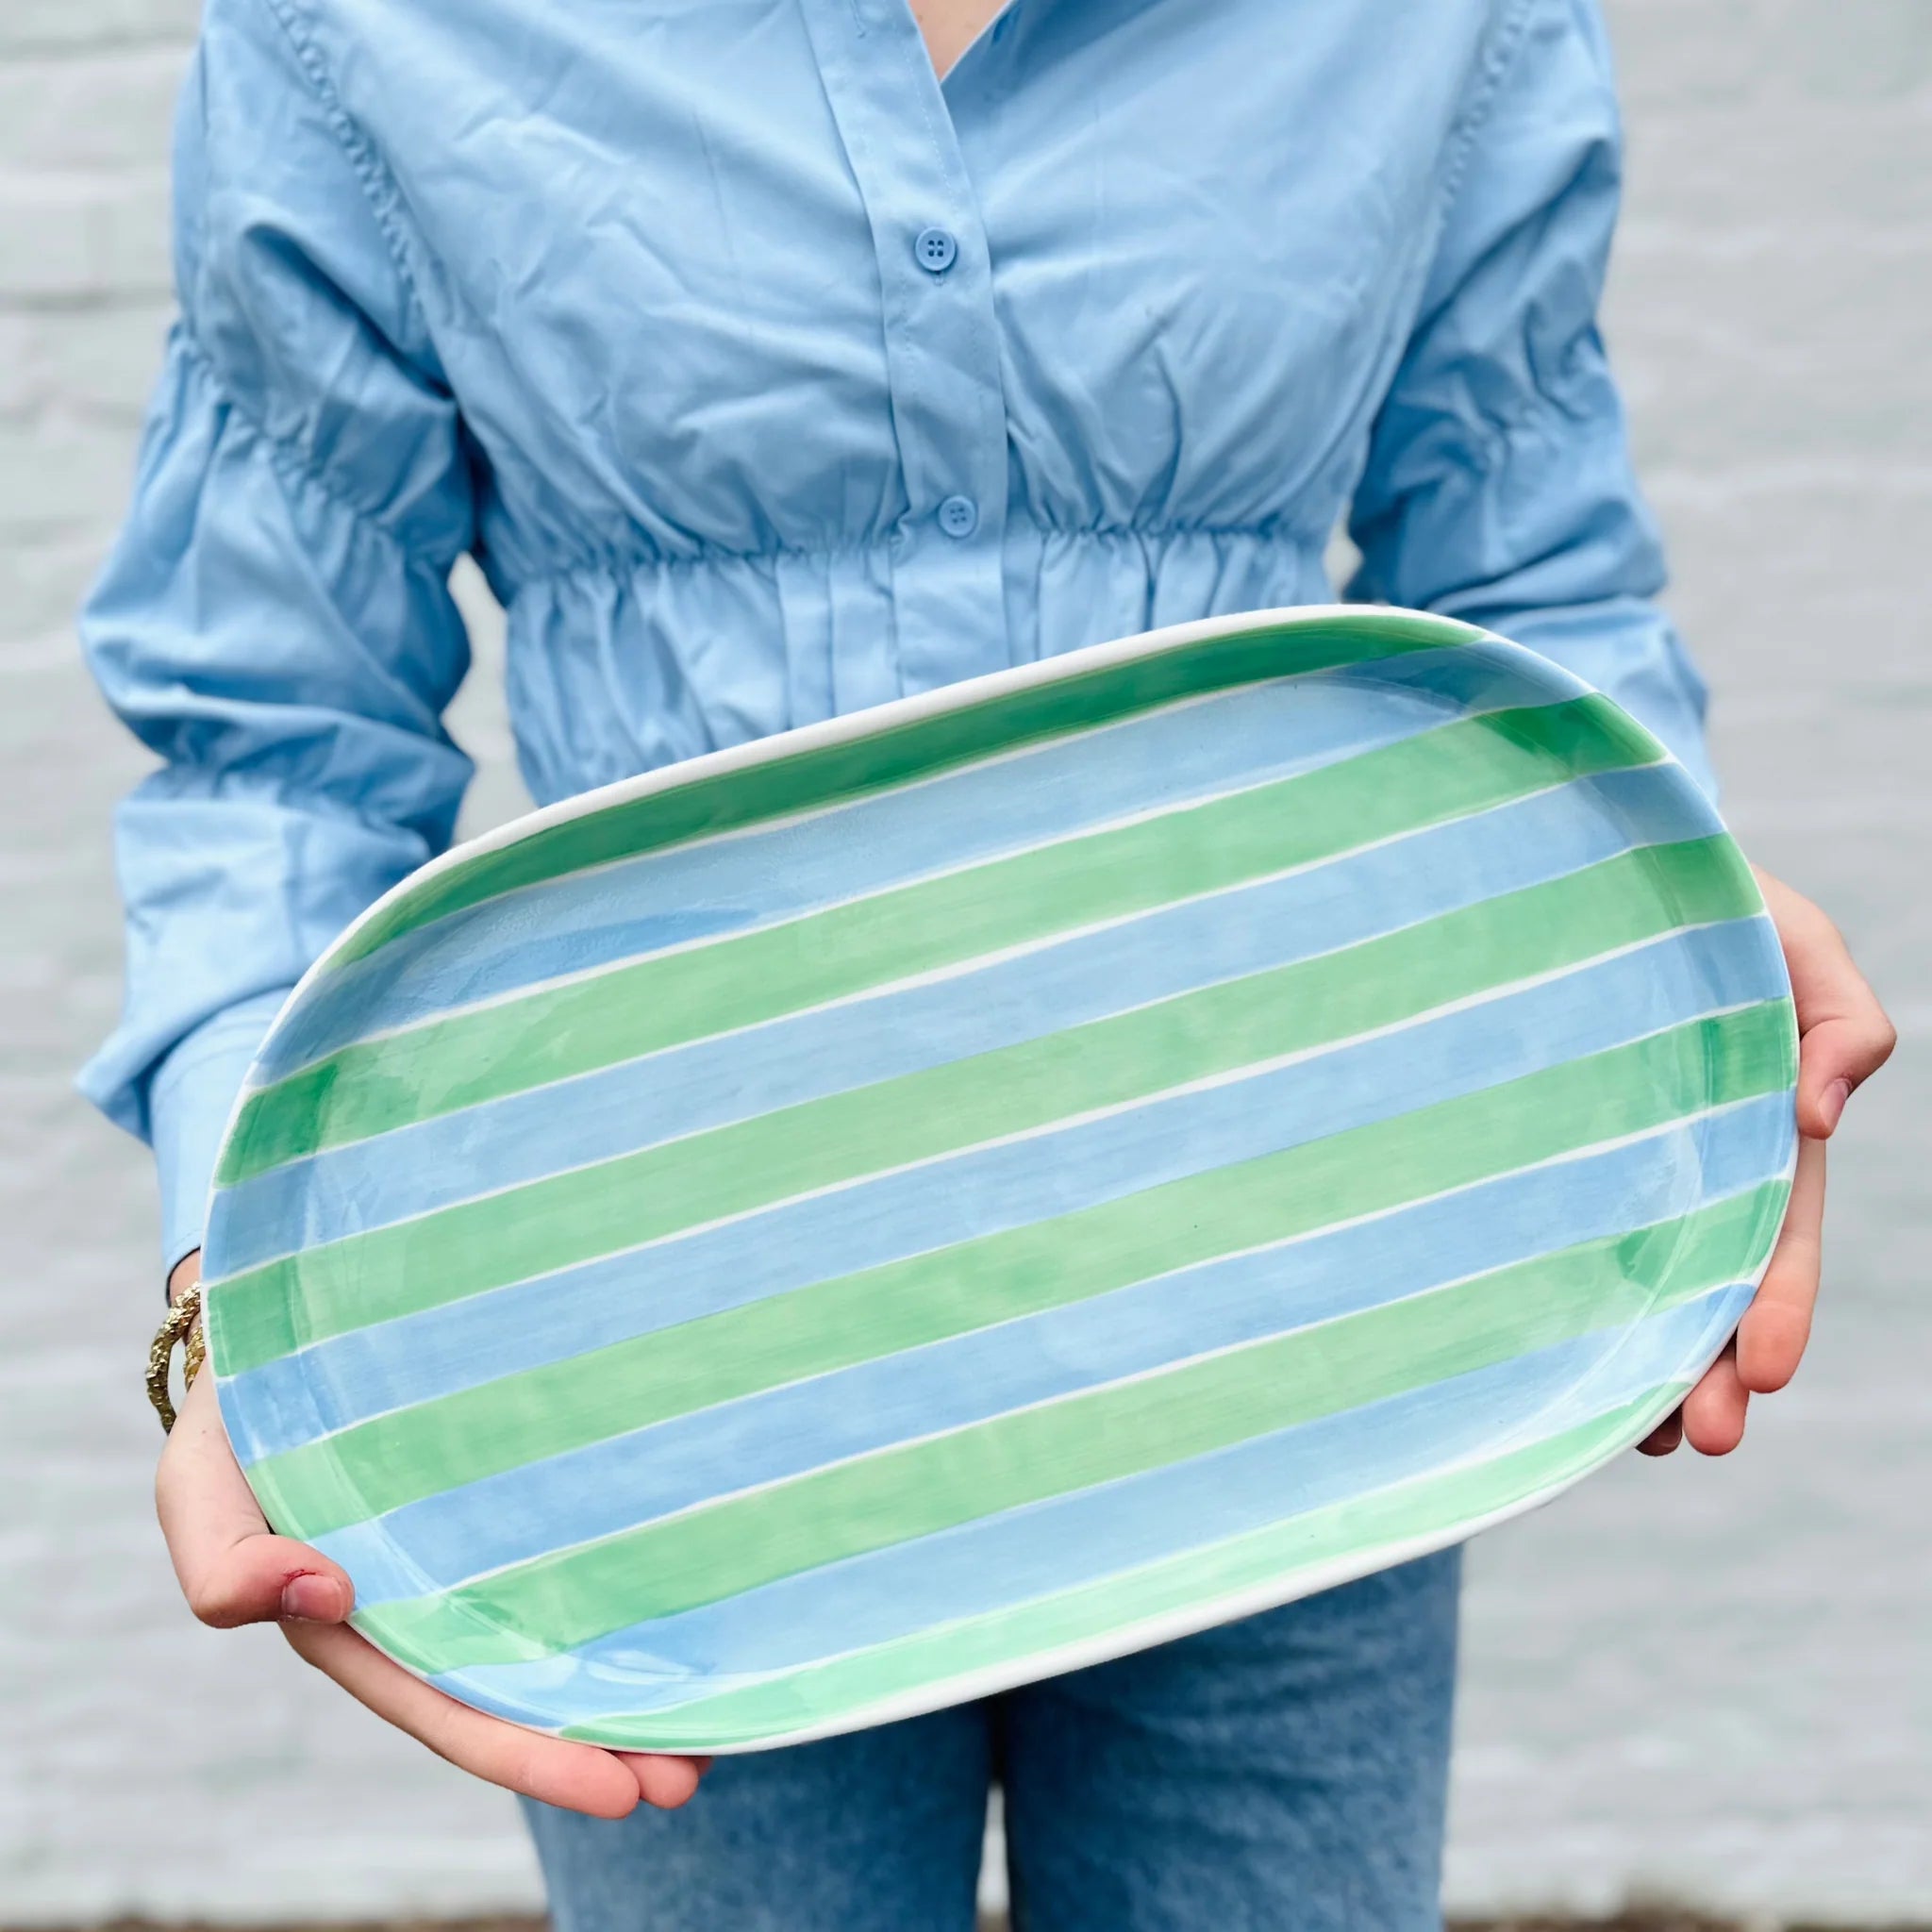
234	1570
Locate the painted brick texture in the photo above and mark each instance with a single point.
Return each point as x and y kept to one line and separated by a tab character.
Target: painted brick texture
1706	1680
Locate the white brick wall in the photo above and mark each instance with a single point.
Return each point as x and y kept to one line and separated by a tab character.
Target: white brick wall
144	1763
1707	1679
1713	1681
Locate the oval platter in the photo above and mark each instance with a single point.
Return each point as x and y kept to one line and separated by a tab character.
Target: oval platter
961	1192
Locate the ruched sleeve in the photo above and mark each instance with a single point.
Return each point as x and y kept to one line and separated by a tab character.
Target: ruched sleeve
1498	487
275	621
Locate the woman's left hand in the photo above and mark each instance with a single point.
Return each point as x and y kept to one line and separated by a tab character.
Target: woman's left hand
1844	1038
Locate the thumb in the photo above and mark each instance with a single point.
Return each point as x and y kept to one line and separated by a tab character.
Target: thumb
232	1569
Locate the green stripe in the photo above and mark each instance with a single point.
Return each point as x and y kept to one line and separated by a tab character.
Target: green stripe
845	1689
555	1032
393	1459
740	1542
803	781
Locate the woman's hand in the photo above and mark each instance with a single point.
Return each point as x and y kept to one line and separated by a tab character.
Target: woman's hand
233	1571
1845	1037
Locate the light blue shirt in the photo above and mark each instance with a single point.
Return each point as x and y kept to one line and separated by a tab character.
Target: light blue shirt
767	377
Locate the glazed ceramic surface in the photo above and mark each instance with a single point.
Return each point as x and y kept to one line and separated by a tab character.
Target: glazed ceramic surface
941	1197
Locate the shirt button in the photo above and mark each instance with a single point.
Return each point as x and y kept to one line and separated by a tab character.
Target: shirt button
959	516
934	250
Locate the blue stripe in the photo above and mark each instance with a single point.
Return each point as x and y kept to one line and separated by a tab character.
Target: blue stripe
719	886
712	1082
1033	1552
977	1193
612	1485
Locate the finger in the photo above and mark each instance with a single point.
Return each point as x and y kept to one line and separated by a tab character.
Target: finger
1844	1034
577	1778
1664	1439
665	1782
1714	1410
1777	1325
231	1568
1835	1057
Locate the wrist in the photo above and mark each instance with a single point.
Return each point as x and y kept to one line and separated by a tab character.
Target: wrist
182	1329
183	1276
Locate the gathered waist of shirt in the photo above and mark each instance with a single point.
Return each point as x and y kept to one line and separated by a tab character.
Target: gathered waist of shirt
623	667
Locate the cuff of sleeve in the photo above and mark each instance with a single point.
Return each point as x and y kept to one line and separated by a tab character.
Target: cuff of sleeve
189	1100
1672	708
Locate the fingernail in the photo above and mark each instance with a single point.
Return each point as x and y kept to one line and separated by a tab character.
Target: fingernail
311	1600
1832	1103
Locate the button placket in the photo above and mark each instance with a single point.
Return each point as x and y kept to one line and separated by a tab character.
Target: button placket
941	334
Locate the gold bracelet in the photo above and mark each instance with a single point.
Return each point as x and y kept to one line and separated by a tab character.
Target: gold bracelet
183	1325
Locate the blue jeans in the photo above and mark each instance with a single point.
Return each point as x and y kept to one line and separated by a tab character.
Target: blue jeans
1284	1774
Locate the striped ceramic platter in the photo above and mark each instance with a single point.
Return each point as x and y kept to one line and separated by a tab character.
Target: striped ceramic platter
970	1189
